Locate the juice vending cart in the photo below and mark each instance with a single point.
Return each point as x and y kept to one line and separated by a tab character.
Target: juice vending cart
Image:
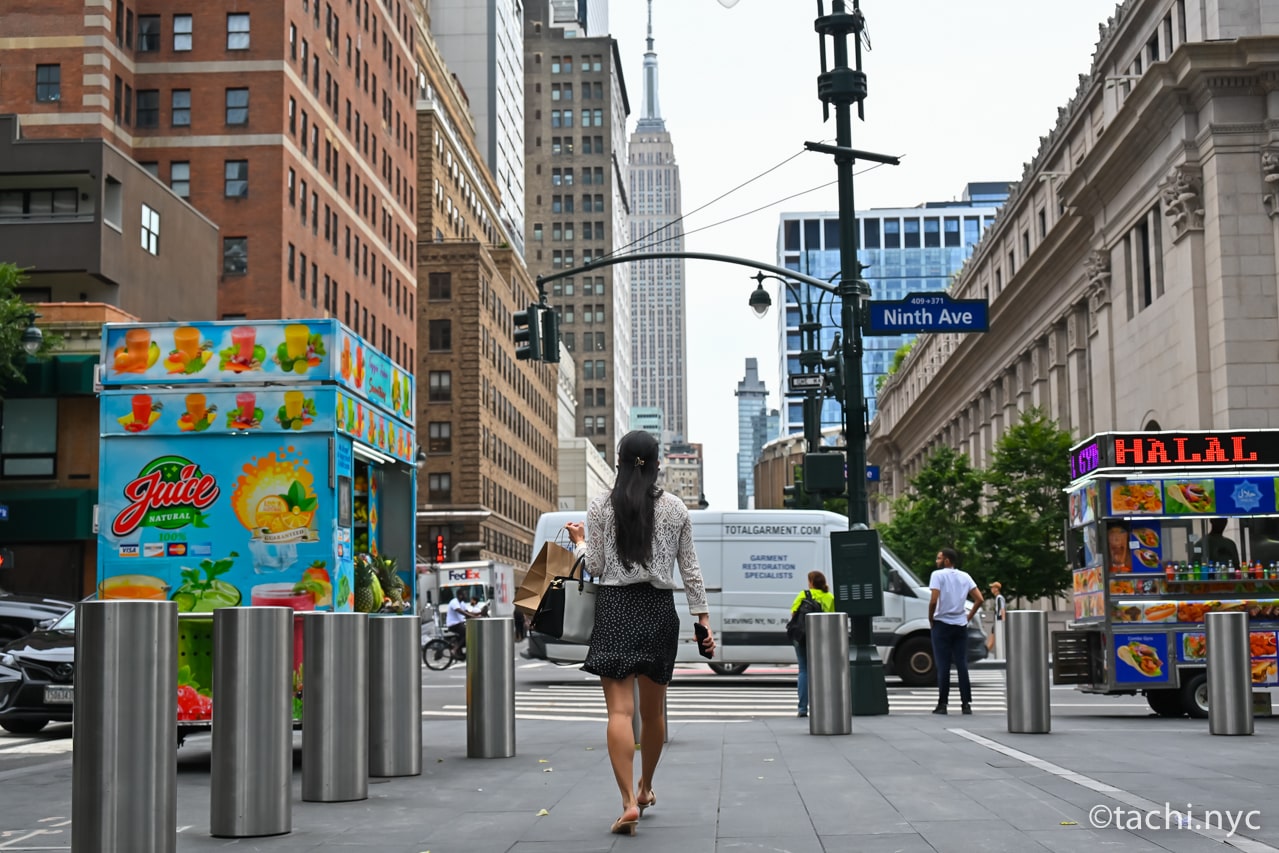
253	463
1165	527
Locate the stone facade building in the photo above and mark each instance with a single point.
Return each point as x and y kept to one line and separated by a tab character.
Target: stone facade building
1133	274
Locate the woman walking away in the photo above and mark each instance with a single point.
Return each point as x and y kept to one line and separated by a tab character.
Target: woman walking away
637	533
816	599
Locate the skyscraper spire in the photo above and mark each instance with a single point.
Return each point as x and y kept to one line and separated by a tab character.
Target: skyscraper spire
651	119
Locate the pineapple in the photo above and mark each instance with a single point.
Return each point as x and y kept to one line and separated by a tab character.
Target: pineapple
368	591
391	583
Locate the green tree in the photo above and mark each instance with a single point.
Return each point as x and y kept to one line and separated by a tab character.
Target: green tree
13	322
941	508
1022	537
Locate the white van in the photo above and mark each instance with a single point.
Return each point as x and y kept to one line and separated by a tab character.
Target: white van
754	563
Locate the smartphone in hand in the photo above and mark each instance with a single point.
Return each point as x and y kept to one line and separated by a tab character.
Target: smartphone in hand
703	634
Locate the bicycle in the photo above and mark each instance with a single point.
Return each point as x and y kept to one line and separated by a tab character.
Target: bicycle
442	652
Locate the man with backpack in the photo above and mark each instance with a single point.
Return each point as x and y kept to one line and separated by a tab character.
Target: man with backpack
816	599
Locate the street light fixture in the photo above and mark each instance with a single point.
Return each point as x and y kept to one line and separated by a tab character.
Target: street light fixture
419	461
32	338
760	301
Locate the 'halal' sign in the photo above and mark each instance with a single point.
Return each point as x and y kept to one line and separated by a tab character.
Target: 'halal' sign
169	493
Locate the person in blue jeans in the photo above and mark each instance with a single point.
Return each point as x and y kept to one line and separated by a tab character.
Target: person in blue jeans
951	589
819	592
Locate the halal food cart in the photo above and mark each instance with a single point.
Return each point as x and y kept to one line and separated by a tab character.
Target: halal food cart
253	463
1164	528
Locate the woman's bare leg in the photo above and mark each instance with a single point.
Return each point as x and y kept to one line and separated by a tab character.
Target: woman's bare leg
652	730
619	697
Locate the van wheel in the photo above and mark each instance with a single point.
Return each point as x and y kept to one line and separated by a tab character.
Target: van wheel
728	668
1194	696
1165	703
913	662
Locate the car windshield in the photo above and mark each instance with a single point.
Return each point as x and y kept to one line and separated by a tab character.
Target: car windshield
65	623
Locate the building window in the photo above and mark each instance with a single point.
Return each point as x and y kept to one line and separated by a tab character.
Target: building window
439	488
150	230
48	83
180	178
29	438
292	269
237	106
181	32
441	335
237	31
181	106
440	286
235	255
237	179
148	33
439	386
149	108
440	437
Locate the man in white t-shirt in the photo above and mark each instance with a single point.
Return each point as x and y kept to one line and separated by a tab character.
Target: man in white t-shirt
951	589
455	618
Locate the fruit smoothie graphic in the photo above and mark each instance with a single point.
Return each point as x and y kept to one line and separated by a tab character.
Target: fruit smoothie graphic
275	500
137	354
245	353
143	411
188	355
301	350
246	414
199	414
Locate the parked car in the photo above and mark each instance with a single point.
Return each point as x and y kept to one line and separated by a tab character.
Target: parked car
22	614
37	674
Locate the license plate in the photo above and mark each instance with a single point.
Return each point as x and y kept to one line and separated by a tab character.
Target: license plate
55	694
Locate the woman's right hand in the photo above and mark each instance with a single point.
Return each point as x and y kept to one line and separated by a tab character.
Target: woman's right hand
576	532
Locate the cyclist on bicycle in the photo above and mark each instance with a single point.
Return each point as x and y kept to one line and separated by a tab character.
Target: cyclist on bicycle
455	621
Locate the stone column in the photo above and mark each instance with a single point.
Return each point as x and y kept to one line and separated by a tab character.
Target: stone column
1099	341
1078	373
1058	407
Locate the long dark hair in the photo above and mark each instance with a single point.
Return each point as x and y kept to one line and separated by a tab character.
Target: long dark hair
634	497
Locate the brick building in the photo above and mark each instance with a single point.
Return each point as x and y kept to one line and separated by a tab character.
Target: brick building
486	421
288	125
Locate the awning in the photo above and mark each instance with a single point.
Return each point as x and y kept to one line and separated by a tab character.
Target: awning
59	376
47	515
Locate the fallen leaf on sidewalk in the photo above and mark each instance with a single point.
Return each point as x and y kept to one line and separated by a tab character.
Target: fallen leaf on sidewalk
543	813
541	761
1069	823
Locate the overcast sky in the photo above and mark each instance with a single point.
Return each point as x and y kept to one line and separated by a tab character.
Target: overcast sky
962	91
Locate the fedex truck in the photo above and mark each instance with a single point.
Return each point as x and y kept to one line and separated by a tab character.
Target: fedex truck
754	563
487	581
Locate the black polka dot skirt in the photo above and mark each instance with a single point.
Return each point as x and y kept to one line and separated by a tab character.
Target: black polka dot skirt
636	633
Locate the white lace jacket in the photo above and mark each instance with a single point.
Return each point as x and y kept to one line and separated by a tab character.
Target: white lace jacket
672	541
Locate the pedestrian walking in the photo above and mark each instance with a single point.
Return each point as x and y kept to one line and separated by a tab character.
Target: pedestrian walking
638	532
995	642
950	590
816	599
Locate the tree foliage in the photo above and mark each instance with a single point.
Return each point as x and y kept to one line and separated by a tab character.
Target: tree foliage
1006	521
13	321
940	508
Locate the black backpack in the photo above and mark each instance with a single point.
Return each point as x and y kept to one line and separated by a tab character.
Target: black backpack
795	627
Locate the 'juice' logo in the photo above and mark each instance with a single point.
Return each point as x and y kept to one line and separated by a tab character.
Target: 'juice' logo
168	493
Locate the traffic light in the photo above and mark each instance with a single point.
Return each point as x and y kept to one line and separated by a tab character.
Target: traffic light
550	335
528	345
792	496
835	381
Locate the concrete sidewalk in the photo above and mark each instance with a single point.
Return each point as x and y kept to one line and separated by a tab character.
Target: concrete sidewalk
898	783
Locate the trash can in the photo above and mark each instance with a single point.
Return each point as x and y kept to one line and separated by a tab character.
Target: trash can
251	769
335	707
1028	688
395	696
490	687
125	728
830	681
1229	674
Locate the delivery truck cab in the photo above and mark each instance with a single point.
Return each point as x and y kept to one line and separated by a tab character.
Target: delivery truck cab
754	563
490	583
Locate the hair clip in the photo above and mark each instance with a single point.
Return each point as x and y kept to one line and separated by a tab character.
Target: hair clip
639	462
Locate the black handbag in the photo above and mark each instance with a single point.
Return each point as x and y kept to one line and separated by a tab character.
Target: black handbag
567	609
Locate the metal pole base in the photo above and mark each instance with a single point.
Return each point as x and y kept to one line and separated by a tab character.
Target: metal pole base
870	690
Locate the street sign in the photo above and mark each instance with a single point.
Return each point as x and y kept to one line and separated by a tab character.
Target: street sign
806	381
928	312
872	473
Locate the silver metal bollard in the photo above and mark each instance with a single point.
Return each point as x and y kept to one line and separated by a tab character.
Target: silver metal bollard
830	685
335	707
1028	687
490	688
1229	674
125	729
395	696
251	769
